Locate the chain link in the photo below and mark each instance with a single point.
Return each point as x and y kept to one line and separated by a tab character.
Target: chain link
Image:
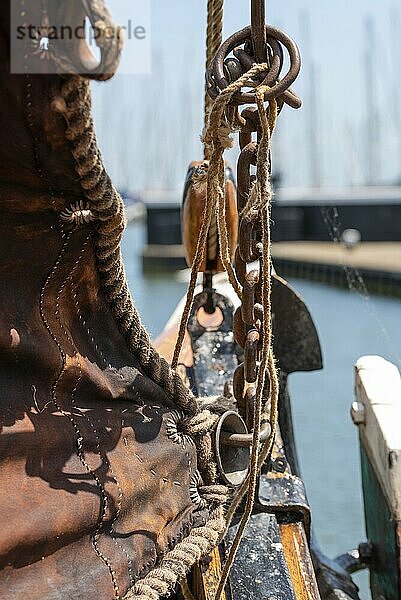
260	43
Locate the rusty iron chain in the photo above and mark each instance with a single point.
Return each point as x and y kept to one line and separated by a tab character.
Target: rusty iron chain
255	44
262	46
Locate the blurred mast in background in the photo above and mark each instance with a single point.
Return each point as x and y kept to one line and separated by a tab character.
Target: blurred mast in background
395	26
352	162
311	104
373	119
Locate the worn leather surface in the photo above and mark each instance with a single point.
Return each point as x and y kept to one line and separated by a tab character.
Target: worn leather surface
92	490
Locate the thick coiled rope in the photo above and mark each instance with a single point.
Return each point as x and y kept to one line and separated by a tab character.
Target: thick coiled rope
107	207
177	563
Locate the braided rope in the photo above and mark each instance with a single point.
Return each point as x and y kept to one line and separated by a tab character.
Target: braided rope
179	561
107	206
214	37
108	209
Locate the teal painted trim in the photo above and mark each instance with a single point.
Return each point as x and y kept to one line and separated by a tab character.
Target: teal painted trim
381	531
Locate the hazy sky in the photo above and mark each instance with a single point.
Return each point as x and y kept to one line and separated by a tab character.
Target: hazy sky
149	125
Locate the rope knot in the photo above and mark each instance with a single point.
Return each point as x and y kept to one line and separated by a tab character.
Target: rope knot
200	424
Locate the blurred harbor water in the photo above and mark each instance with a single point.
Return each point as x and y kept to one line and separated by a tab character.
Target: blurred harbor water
349	326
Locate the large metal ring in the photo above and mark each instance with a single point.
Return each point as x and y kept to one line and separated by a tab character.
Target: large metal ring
243	36
232	460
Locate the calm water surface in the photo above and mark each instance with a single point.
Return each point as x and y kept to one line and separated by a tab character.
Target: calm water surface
349	326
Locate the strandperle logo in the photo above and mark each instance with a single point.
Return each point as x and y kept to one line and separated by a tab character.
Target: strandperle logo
85	31
67	38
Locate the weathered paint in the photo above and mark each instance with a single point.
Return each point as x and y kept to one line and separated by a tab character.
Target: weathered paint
299	564
381	531
377	413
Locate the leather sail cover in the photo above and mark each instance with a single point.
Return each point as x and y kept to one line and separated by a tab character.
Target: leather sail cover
97	482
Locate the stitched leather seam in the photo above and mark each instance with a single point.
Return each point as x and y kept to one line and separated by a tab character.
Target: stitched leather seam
79	439
114	477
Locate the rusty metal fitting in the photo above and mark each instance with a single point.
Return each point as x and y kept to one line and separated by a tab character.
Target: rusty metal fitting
211	86
239	328
245	137
232	69
239	440
259	312
240	267
252	119
277	88
239	386
250	400
246	160
258	19
276	57
244	58
248	297
246	240
232	462
251	353
279	465
251	123
244	177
